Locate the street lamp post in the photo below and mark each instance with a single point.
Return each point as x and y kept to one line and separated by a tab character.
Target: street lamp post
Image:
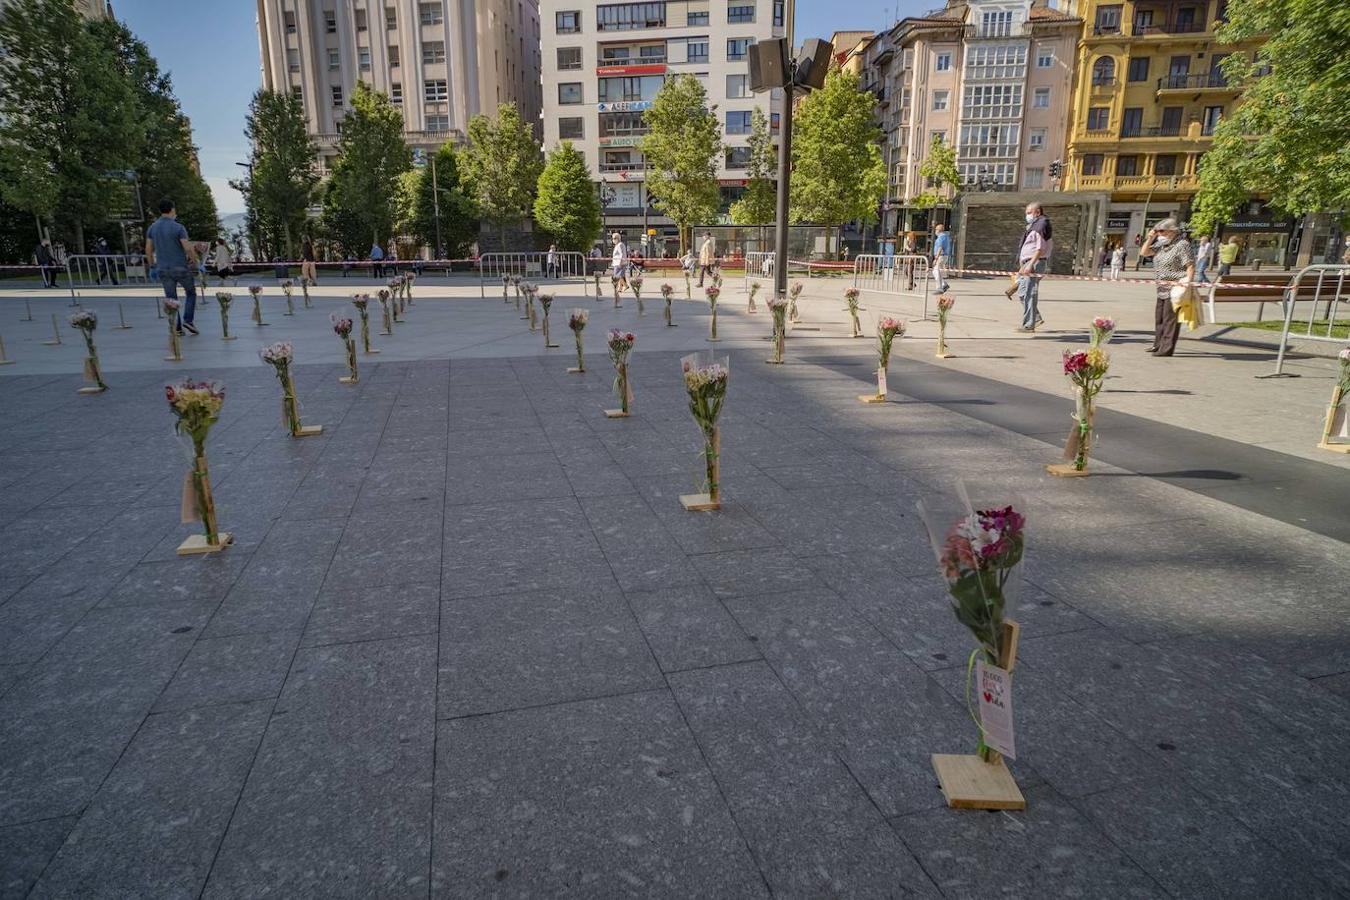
780	268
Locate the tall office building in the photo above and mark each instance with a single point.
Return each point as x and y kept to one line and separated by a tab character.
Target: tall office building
441	61
603	65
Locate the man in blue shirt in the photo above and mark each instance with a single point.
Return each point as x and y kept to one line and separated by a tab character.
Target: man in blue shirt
168	249
376	260
942	251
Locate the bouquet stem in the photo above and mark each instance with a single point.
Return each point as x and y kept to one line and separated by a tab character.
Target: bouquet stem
1335	421
942	336
712	457
598	294
92	369
668	316
201	483
225	324
175	345
290	407
581	359
712	325
352	376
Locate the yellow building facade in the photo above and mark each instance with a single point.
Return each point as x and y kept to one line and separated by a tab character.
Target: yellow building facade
1148	94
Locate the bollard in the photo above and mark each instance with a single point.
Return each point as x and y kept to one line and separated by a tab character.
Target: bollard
121	319
4	360
56	334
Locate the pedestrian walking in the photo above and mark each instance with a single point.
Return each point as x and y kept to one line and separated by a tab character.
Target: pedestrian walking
1173	263
168	250
46	261
707	256
1228	255
551	262
618	261
376	260
942	249
1032	259
307	260
1117	261
1203	251
224	260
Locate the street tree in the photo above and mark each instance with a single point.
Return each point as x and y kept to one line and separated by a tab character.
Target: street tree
1289	137
360	202
681	147
758	204
67	118
941	177
837	172
566	205
437	189
502	164
283	176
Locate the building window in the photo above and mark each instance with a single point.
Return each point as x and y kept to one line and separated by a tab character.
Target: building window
941	99
288	17
1045	58
293	60
1165	164
943	62
569	93
433	52
568	22
697	51
999	61
1092	164
992	101
335	90
628	88
393	57
1036	139
1132	121
396	92
1033	178
996	24
334	60
622	124
572	128
697	18
989	141
627	16
778	7
938	136
297	92
740	14
435	91
1040	98
1099	118
1211	119
738	86
438	123
738	121
329	21
569	58
390	19
363	58
430	13
738	157
1127	165
359	17
1138	68
737	48
1104	70
1108	20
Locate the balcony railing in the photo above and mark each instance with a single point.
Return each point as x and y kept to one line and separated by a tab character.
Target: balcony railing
1103	84
1152	131
1200	81
633	61
1169	28
630	166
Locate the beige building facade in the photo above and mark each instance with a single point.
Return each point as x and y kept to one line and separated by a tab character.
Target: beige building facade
441	61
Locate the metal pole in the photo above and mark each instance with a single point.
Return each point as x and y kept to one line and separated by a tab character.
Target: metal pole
436	202
780	264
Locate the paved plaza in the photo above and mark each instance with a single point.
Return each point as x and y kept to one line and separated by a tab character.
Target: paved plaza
467	643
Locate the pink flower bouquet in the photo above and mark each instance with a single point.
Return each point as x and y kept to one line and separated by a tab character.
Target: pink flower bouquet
620	343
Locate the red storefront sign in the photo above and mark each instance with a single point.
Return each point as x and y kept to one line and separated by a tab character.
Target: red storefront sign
653	69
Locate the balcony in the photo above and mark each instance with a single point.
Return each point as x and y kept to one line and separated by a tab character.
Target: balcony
1203	81
632	61
1102	85
1153	131
1154	29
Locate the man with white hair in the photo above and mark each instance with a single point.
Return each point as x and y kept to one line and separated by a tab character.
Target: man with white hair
1032	258
618	261
707	256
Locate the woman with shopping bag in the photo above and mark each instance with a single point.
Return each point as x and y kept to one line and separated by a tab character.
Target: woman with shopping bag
1174	269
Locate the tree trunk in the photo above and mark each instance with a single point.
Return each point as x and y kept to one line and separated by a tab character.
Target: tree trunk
79	236
286	234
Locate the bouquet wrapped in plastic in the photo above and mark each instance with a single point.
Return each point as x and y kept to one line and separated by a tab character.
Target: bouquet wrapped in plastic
851	298
175	344
196	406
1336	431
778	308
223	300
342	327
945	302
705	381
86	321
1102	329
1086	370
280	356
576	320
750	300
255	290
620	343
712	292
668	295
545	304
287	287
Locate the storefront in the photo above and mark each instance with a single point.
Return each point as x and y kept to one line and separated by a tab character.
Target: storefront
1264	237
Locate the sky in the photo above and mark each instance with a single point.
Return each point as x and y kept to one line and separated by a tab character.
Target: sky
213	60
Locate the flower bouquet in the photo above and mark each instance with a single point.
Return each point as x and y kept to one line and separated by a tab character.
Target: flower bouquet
978	551
86	321
713	291
754	289
668	295
408	279
614	283
396	297
1086	371
197	407
175	342
279	357
576	320
888	328
1102	329
636	284
620	342
688	286
705	380
256	291
794	292
545	304
362	303
1336	432
778	308
851	298
945	302
506	286
385	301
342	327
287	287
598	293
305	283
515	283
530	290
223	300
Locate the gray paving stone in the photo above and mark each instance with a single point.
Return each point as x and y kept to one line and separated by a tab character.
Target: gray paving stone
606	797
811	829
382	545
746	572
25	851
343	613
340	792
38	615
234	669
508	651
154	825
688	628
183	580
509	476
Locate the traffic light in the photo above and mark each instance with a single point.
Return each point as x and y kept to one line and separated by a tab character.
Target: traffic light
1056	169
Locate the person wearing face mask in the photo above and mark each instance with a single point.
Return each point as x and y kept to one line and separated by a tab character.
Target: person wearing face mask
1173	261
1032	258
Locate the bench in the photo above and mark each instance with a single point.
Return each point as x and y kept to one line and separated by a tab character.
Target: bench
1254	287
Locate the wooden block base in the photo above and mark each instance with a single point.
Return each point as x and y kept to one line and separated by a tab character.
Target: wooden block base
713	340
872	398
969	782
382	334
552	346
576	371
805	328
197	544
6	362
173	359
1065	470
228	337
308	431
92	390
698	502
945	355
615	414
346	379
1334	448
51	343
121	327
774	362
671	325
370	352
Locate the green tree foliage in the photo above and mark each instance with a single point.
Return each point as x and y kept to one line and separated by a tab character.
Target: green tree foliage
283	176
566	205
502	164
837	172
941	177
758	204
458	214
360	202
67	118
681	147
1290	137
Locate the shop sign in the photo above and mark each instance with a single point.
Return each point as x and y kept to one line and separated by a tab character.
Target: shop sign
624	106
1117	223
619	141
650	69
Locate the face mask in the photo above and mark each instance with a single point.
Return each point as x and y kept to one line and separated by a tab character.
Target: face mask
1161	239
1030	218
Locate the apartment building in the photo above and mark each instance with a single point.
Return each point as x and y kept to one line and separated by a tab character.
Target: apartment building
603	64
992	77
1149	94
441	62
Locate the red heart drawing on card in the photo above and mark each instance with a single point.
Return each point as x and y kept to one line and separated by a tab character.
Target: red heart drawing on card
988	697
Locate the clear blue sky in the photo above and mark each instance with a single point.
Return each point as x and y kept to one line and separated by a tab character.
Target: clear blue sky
212	55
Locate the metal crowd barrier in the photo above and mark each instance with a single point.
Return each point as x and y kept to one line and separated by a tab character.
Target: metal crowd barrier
1329	289
905	274
569	266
